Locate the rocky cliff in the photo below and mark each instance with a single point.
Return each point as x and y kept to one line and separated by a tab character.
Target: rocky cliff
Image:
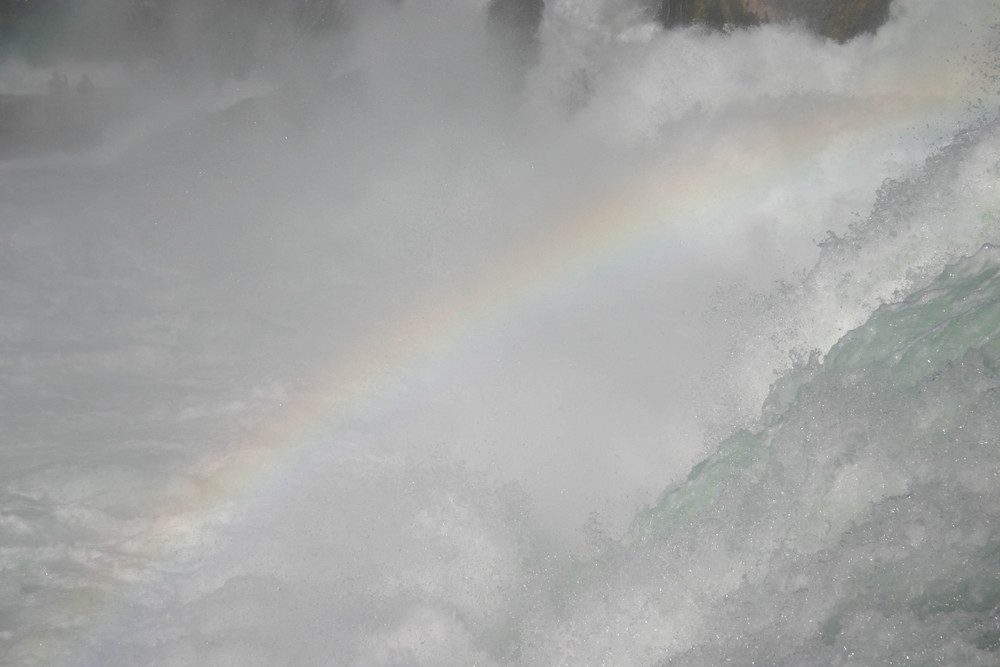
715	13
851	18
837	19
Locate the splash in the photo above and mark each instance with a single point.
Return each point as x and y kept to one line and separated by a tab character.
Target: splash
631	222
607	235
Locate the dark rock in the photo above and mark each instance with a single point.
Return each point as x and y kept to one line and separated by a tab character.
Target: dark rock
851	18
838	19
714	13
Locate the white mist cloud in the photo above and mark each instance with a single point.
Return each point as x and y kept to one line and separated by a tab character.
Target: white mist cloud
267	205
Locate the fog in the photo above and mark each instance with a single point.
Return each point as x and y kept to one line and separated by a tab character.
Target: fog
347	307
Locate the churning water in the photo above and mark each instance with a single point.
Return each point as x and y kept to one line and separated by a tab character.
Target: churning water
650	348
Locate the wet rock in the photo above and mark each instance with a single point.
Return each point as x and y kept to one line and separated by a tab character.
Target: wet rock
838	19
517	21
714	13
851	18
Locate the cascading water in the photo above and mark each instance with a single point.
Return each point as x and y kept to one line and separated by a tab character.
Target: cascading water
387	347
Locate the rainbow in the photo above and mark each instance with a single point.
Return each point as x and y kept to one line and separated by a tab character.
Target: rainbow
612	231
608	231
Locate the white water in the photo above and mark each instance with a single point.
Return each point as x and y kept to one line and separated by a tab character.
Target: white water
179	288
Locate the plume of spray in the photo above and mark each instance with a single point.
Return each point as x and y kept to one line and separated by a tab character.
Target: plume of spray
348	203
465	283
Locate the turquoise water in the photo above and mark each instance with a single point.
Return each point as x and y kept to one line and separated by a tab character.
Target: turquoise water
859	524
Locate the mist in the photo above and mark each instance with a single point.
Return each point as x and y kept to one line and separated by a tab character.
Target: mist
347	325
